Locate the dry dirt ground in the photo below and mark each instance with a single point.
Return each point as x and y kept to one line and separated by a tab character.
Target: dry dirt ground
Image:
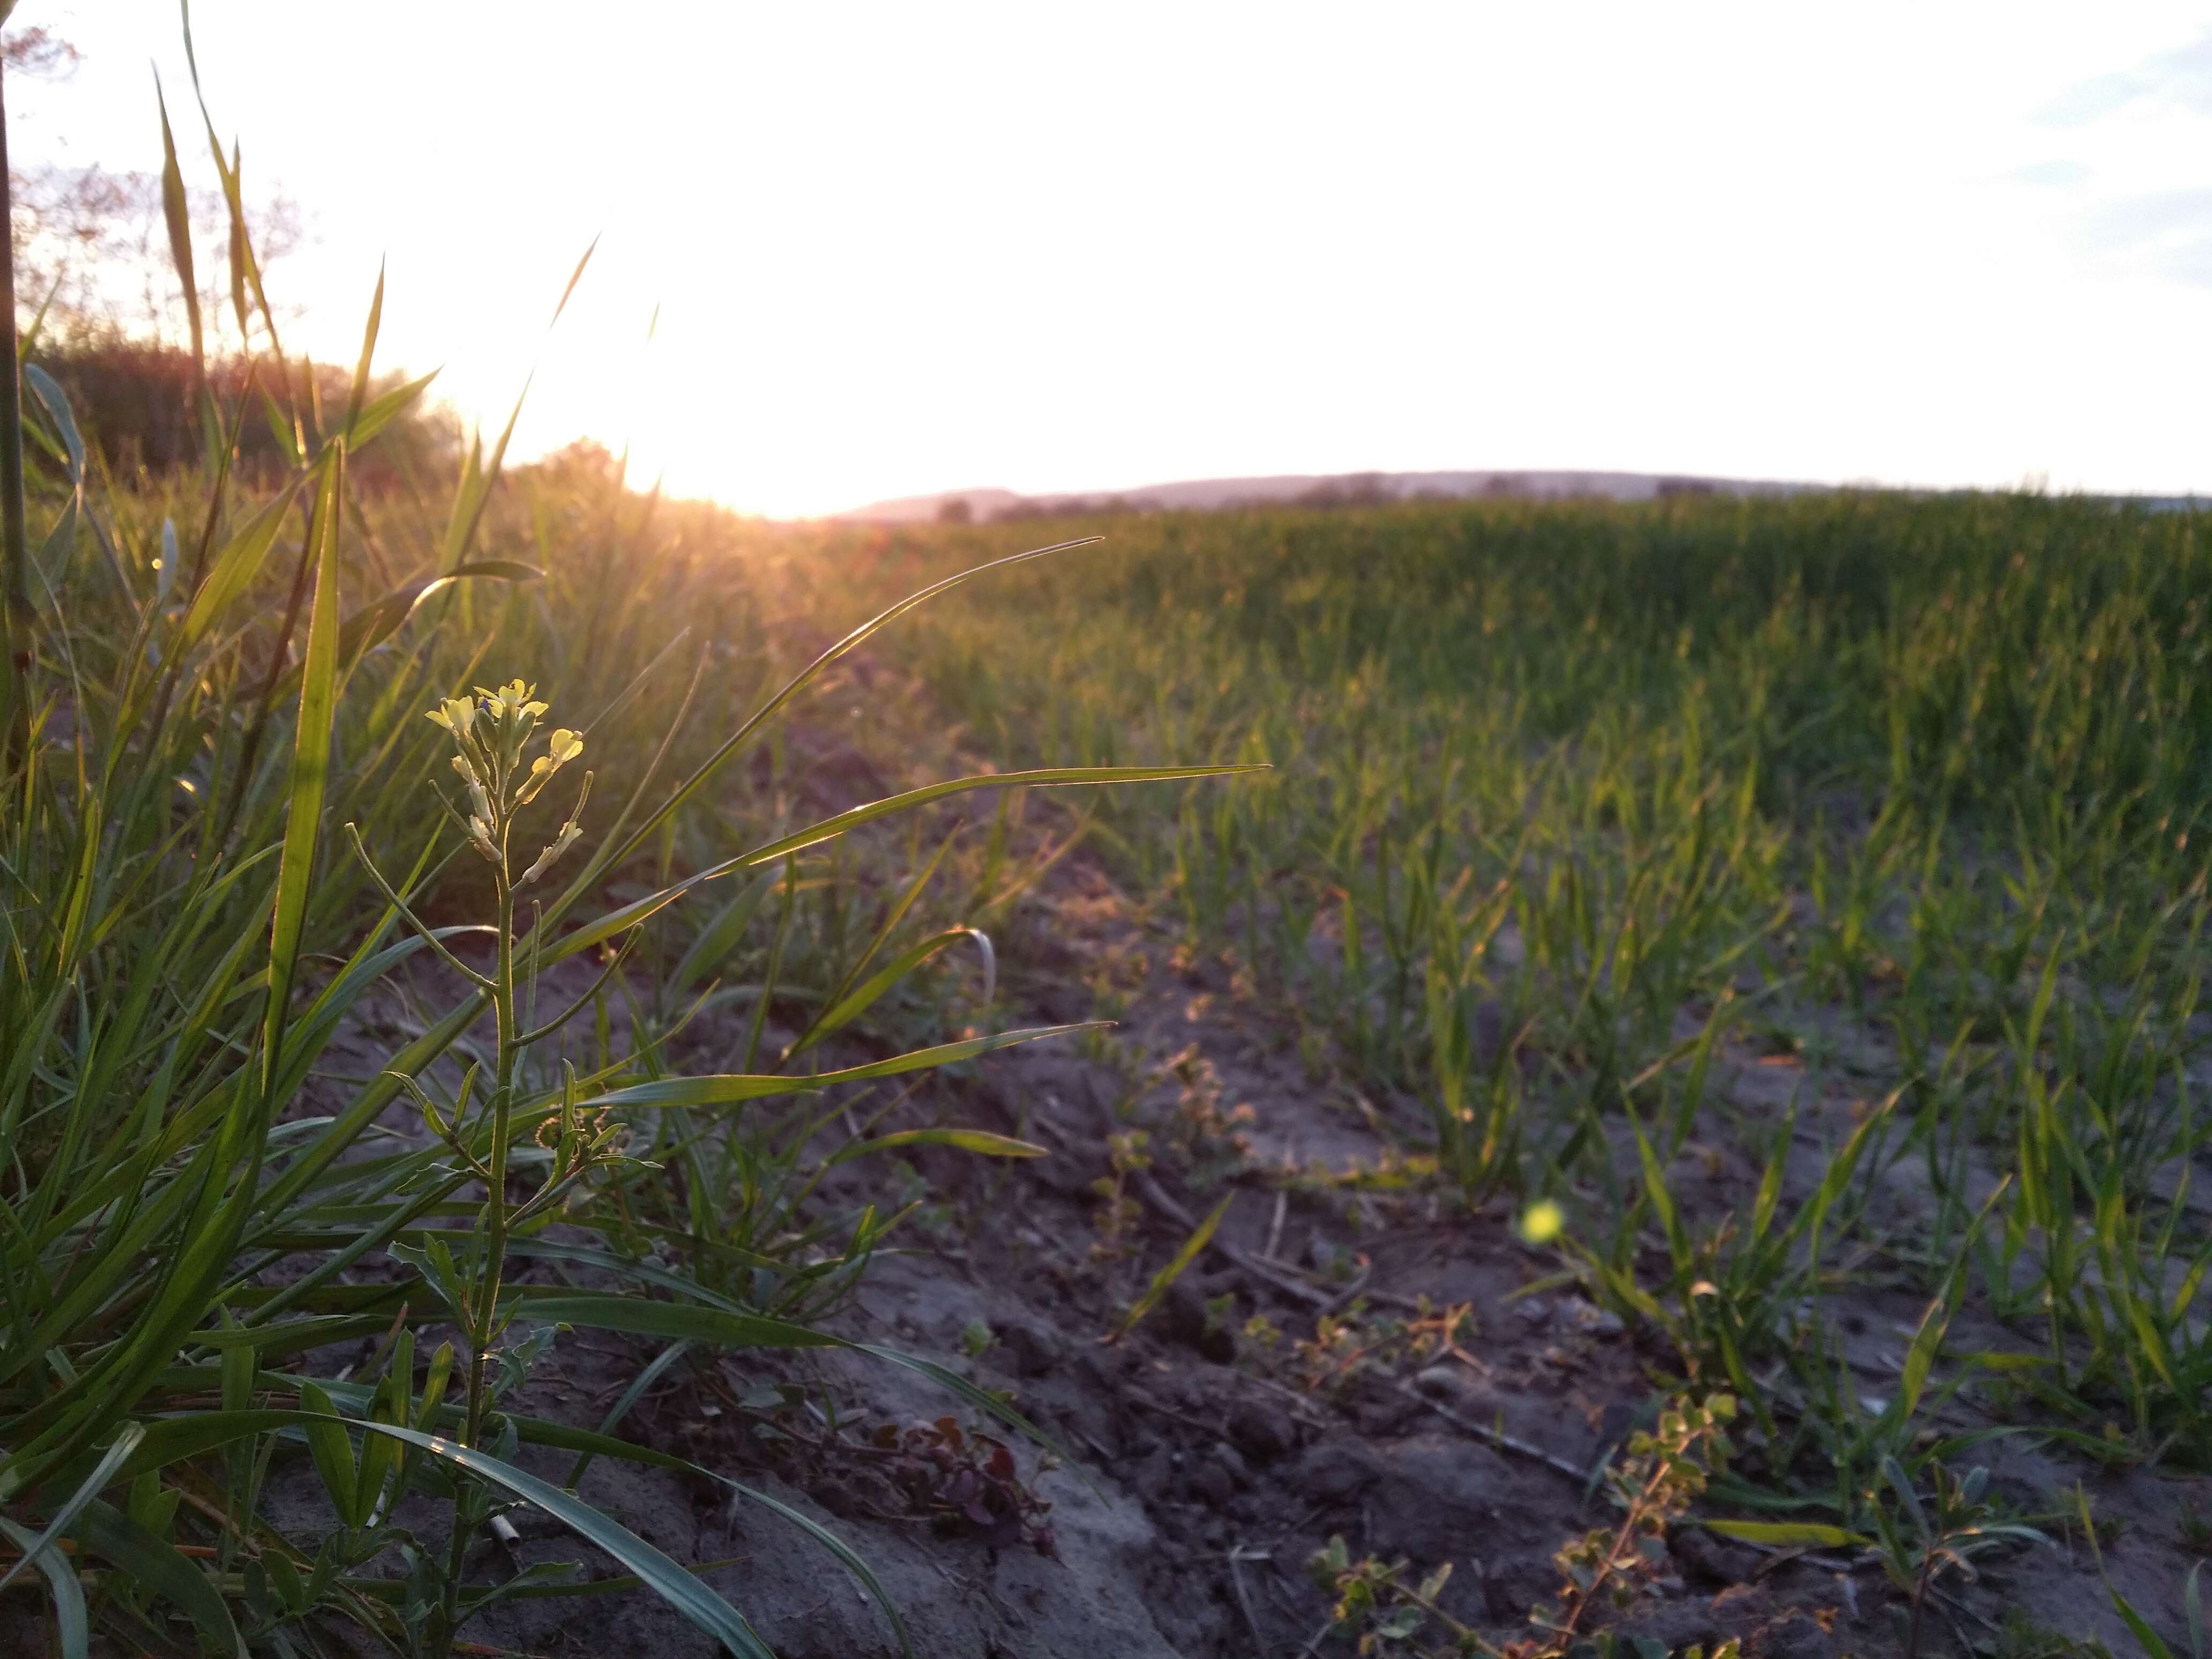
1206	1465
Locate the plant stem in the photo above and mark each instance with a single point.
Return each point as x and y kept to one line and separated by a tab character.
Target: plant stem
485	1314
15	538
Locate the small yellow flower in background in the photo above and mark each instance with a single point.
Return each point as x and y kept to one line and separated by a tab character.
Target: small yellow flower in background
1542	1222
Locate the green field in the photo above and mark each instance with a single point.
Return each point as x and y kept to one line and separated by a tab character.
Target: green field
1913	789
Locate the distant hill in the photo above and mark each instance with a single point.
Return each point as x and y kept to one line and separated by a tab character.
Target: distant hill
1317	489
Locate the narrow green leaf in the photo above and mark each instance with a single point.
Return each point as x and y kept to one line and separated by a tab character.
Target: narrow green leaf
1165	1278
1785	1534
310	777
178	216
979	1141
731	1088
359	392
851	1007
331	1451
233	570
2152	1643
151	1564
187	1437
56	403
606	1311
380	412
72	1621
126	1441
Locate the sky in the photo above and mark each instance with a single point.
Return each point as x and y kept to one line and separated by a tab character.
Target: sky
894	249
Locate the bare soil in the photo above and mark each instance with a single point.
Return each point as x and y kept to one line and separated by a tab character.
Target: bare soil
1205	1468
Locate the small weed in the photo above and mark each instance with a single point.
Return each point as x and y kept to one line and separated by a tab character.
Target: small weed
1918	1537
1664	1471
969	1482
1210	1140
1359	1342
1121	1211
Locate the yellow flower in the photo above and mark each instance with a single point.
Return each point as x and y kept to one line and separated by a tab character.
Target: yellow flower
456	715
564	747
1542	1222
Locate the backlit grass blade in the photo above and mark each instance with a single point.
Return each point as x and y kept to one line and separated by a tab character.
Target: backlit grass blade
1164	1280
836	1004
16	617
830	828
233	570
805	678
381	411
178	217
311	762
359	391
852	1007
980	1142
730	1089
56	404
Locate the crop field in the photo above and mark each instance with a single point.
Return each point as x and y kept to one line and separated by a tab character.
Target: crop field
583	1075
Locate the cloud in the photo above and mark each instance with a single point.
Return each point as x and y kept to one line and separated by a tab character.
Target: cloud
2168	233
2178	80
2051	176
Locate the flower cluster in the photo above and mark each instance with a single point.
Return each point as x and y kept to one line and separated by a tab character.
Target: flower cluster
491	731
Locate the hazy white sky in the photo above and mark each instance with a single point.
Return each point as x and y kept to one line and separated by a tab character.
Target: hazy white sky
904	247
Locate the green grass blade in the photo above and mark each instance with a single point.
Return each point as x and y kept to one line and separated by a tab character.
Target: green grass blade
177	214
72	1623
151	1564
188	1437
380	412
233	570
126	1441
799	682
606	1311
359	391
982	1142
310	777
830	828
1164	1280
1785	1534
860	1001
731	1088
